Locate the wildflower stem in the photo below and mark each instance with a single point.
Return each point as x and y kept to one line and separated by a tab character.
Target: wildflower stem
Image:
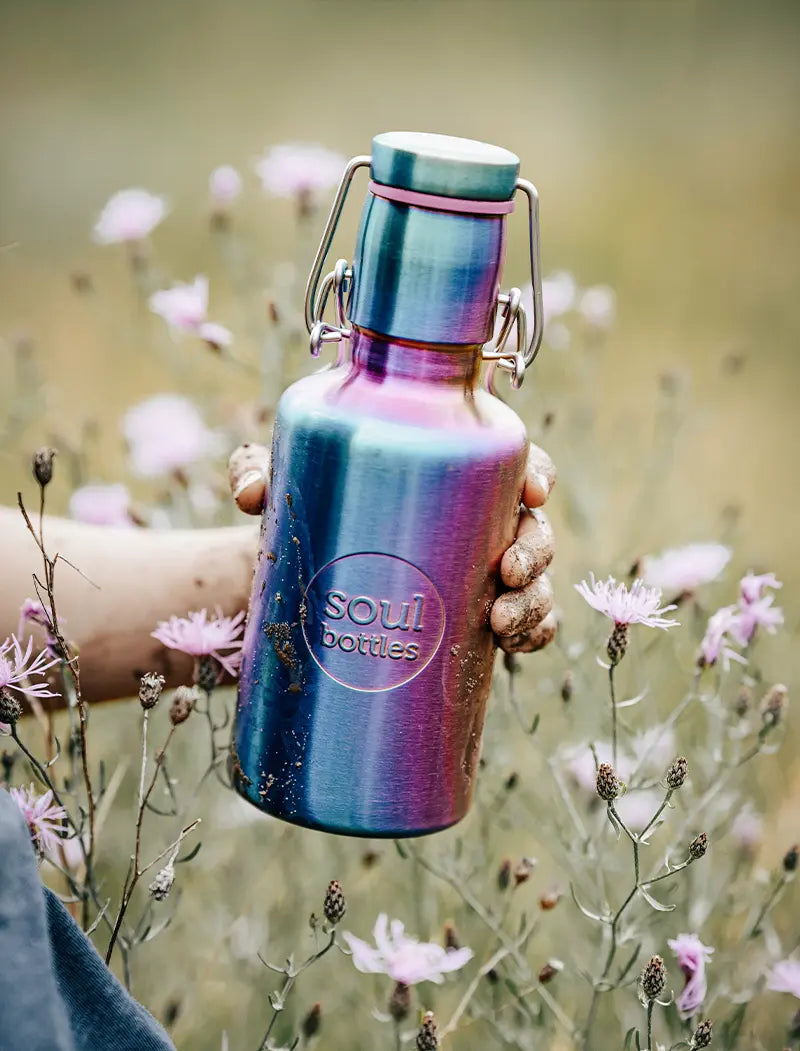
650	1004
771	899
666	875
657	815
292	974
613	715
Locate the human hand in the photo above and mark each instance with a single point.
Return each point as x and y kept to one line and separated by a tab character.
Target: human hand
522	617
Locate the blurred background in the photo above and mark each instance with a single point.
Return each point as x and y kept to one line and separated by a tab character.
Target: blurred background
664	139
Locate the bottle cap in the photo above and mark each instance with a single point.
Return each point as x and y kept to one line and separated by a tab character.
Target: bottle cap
444	165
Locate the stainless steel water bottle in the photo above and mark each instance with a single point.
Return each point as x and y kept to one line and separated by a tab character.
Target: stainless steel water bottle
395	488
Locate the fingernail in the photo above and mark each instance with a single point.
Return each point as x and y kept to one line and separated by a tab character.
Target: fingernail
251	478
543	482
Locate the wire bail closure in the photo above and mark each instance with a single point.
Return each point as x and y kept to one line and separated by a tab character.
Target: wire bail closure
340	282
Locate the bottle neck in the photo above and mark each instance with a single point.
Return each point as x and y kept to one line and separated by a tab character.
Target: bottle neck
376	357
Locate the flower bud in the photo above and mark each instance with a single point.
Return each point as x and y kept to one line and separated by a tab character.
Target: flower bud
773	705
676	774
607	783
10	707
451	939
150	689
549	901
791	858
207	673
702	1035
698	846
427	1040
400	1002
504	875
549	971
617	644
654	978
310	1025
567	687
335	905
43	465
182	704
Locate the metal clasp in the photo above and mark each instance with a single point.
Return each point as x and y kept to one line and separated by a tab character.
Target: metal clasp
340	279
513	313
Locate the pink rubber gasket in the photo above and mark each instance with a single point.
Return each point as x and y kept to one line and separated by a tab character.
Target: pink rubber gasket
440	204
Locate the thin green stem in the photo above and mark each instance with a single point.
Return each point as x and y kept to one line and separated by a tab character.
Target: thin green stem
650	1005
772	897
613	715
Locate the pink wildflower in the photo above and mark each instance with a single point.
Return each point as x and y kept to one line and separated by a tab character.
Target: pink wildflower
752	586
300	170
43	816
714	642
682	569
640	605
692	957
17	666
747	828
165	433
102	505
129	215
558	295
785	977
225	185
184	308
755	607
402	958
200	636
598	305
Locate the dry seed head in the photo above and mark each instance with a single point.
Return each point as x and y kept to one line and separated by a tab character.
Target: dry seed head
43	465
773	704
702	1035
654	978
698	846
400	1002
335	905
550	900
10	707
162	884
607	784
523	870
743	700
547	973
150	689
617	643
427	1040
676	774
182	704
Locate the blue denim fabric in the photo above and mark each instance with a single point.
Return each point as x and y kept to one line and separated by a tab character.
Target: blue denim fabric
56	994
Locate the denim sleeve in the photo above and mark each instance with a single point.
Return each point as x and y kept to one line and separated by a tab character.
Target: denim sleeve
56	994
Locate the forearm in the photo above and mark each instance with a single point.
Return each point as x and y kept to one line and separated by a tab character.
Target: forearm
141	577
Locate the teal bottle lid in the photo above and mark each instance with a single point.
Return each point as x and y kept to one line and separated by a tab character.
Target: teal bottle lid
444	165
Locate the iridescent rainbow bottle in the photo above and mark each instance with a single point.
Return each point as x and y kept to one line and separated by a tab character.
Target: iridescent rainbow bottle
395	488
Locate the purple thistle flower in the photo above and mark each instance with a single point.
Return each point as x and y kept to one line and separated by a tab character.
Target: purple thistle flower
713	645
129	215
692	958
165	433
225	185
402	958
18	665
43	816
201	636
184	308
639	605
101	505
681	569
297	169
785	977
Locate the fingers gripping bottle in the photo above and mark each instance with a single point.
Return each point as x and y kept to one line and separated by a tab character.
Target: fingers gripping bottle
395	488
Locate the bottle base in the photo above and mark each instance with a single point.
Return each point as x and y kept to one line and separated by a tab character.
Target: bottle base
343	828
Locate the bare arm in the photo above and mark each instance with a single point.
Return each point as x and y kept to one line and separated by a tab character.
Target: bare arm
142	576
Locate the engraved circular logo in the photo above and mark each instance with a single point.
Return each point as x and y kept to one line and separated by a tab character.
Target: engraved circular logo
372	621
